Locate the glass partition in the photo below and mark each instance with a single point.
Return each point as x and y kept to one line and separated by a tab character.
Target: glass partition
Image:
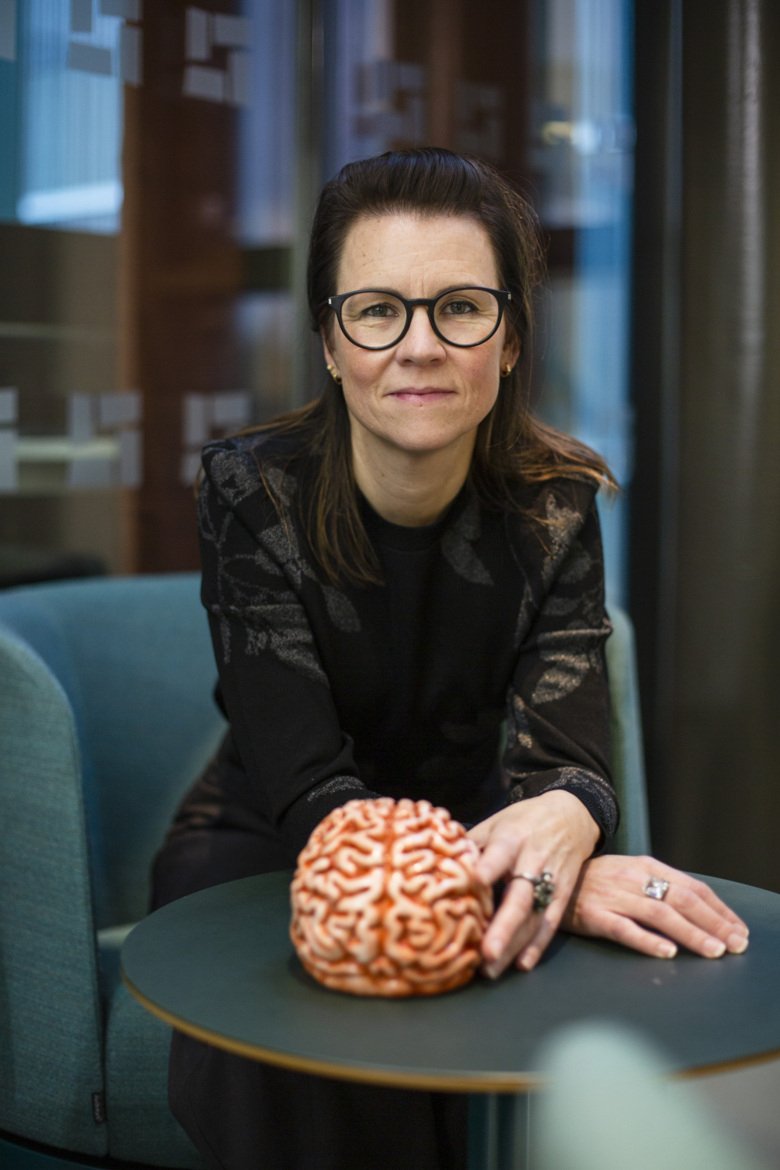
158	167
147	162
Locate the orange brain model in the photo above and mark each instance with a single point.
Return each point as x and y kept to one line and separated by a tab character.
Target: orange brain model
385	900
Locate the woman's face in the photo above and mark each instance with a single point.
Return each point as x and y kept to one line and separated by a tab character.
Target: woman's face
422	395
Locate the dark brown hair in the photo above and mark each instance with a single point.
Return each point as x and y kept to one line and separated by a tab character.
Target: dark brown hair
512	446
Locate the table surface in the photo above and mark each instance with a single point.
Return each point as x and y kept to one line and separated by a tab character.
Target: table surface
219	965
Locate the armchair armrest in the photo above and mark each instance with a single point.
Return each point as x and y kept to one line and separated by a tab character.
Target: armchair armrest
50	1055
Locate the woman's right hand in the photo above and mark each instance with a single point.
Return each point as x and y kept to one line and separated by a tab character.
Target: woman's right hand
609	901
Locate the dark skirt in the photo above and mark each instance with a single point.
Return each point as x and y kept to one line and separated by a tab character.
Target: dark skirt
244	1115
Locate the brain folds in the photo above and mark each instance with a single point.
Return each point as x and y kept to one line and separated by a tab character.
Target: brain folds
385	900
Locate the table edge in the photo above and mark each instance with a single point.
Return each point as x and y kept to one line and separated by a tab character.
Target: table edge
508	1083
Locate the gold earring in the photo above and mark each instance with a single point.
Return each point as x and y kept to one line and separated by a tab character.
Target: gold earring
335	375
506	370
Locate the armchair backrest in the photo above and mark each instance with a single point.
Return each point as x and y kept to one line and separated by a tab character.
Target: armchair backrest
133	659
628	769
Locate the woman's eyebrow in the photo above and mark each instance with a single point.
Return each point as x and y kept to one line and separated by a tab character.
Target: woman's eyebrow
396	293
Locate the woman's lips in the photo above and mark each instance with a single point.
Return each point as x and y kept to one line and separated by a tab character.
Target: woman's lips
426	394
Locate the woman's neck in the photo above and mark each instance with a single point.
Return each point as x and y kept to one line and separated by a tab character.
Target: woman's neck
411	488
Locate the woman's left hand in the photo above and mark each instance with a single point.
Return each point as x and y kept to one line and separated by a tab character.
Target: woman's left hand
553	832
610	900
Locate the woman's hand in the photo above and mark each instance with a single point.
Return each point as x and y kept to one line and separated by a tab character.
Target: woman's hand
553	832
609	901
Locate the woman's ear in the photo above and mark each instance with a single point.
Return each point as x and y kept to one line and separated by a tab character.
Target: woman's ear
510	352
327	352
326	348
330	361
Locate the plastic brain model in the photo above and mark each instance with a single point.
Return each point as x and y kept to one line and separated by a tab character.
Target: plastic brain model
385	900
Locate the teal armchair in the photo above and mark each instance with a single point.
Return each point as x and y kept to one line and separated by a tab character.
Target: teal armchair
106	715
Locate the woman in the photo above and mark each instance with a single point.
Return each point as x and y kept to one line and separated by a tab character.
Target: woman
394	575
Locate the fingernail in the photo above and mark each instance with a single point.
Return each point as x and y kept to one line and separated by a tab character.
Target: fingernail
493	949
714	948
492	970
666	950
737	944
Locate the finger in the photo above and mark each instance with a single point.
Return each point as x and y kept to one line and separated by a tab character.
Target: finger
668	921
520	932
715	927
705	912
679	881
667	918
497	858
512	926
529	956
729	922
628	933
479	833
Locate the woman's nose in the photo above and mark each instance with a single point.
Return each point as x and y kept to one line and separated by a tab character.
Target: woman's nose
420	341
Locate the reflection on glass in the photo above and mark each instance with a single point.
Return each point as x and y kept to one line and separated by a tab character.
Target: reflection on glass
583	154
69	86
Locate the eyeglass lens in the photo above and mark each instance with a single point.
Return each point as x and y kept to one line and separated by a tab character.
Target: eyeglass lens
463	316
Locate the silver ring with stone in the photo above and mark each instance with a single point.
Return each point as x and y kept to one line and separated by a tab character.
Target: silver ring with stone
544	887
656	888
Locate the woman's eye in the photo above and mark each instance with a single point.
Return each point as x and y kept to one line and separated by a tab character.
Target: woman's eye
459	308
380	309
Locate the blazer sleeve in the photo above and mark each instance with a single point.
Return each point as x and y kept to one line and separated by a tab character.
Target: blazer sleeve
298	762
558	728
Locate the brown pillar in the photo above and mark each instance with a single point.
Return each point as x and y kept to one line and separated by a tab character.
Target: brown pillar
181	270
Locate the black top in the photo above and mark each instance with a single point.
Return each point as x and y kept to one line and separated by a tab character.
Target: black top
486	621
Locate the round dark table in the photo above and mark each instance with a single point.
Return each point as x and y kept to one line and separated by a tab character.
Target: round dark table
219	965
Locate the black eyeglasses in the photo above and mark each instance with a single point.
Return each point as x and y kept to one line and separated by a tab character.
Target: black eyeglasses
374	318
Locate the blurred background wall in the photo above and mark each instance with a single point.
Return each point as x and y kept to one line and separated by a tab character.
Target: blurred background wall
159	163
